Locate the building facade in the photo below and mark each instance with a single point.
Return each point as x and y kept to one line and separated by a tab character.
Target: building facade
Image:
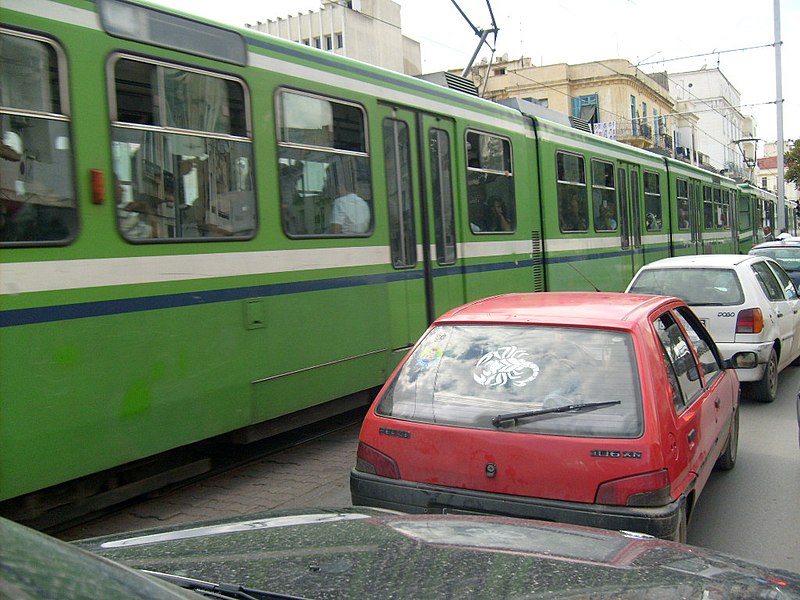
767	175
722	134
616	99
366	30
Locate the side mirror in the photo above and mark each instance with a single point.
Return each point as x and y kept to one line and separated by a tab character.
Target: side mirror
742	360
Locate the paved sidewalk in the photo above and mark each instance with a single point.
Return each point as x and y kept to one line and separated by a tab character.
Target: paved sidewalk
315	473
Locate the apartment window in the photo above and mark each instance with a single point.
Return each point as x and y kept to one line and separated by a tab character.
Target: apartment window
339	40
328	42
634	124
586	108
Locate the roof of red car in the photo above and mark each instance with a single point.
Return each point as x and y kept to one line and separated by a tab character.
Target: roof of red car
568	308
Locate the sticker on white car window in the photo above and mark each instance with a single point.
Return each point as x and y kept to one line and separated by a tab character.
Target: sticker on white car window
505	364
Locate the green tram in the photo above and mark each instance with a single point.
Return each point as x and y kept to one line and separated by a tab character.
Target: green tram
205	230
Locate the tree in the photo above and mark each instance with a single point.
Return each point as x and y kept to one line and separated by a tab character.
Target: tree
792	163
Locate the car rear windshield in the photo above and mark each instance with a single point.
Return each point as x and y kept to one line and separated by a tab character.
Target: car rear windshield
787	256
695	286
466	375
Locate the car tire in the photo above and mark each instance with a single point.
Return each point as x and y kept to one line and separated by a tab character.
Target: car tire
766	390
727	460
681	533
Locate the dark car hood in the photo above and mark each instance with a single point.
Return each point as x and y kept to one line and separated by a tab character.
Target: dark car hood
368	553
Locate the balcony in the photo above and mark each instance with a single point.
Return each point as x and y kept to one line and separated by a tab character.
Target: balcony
636	134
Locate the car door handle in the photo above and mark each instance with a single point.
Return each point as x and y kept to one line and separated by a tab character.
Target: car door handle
692	435
717	402
780	314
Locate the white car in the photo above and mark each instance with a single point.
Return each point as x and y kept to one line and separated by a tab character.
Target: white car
746	302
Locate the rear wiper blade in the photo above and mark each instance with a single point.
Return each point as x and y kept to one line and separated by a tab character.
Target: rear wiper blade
219	590
500	419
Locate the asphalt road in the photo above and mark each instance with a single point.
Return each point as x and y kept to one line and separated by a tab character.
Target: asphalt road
753	511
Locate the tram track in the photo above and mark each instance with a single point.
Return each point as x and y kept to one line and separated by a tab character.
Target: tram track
56	510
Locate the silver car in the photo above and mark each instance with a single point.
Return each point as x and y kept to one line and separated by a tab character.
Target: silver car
746	302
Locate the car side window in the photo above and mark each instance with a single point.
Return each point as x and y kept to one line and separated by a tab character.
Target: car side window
789	290
679	356
769	283
702	343
675	386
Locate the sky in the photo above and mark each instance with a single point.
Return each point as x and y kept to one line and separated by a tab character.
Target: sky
737	36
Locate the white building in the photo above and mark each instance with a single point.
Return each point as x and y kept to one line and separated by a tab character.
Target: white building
720	128
367	30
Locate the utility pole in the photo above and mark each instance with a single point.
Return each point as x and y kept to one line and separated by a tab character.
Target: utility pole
779	105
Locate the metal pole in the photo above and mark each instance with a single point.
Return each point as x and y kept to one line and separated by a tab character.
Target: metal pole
468	68
779	106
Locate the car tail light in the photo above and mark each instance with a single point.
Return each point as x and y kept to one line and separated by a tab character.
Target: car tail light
750	320
370	460
649	489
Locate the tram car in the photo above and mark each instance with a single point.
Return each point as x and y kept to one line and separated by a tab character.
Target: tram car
207	231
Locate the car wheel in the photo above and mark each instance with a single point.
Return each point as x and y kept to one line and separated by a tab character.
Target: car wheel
766	390
727	460
680	534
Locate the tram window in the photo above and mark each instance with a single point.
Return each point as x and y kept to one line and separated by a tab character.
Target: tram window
708	209
604	196
716	194
725	208
325	142
652	202
170	183
135	92
490	184
37	185
682	193
397	157
743	210
571	191
442	197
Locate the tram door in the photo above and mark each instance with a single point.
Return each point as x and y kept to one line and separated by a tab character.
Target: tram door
696	215
630	210
418	163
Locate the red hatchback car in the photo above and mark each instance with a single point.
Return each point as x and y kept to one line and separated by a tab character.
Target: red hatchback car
607	410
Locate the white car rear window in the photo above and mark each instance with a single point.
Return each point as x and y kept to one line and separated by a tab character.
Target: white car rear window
695	286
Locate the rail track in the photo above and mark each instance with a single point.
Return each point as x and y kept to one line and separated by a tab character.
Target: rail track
67	506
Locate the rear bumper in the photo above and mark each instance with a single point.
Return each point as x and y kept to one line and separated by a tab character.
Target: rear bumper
371	490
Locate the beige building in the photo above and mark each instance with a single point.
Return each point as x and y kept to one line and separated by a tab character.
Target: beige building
367	30
767	175
613	96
